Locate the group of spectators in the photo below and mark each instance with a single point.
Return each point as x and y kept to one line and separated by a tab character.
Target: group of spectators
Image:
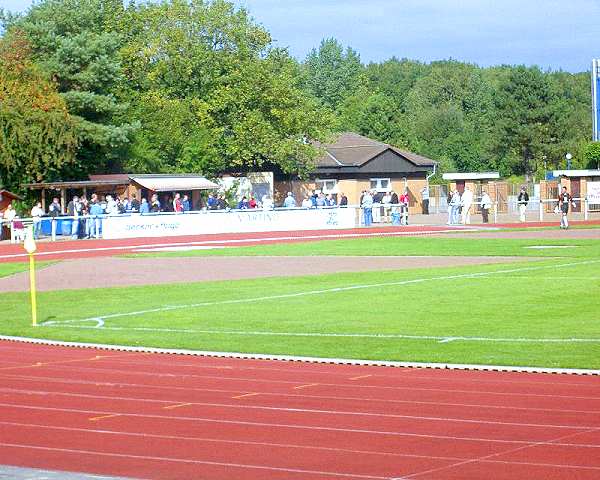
460	206
390	205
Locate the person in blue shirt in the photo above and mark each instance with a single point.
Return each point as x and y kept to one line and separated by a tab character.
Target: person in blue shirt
144	206
96	211
186	203
212	203
243	204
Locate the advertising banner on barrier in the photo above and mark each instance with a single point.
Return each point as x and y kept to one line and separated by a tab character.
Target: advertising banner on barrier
593	193
241	221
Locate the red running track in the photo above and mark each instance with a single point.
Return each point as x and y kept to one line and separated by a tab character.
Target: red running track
162	416
97	248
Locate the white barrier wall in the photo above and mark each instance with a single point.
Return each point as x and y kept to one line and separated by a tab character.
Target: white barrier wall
235	221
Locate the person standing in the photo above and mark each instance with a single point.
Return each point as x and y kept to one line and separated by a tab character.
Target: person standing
425	197
522	201
73	210
486	204
54	211
367	206
564	199
466	201
404	202
290	201
177	205
186	204
154	204
36	215
144	207
343	200
96	211
9	215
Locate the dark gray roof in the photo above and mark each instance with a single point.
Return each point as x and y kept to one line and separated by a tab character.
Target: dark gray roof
354	150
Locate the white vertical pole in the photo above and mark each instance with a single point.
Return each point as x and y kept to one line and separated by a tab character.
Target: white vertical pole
496	212
541	210
585	208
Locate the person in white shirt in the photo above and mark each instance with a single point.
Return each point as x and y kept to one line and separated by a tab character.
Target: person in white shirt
307	202
9	215
36	215
267	203
466	201
111	206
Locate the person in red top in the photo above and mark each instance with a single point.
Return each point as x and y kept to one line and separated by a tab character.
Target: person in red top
564	199
252	202
177	204
404	200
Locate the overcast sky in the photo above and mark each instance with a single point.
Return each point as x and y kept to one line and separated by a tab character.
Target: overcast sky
561	34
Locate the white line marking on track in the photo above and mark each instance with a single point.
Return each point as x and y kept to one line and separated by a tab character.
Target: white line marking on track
286	445
393	433
190	461
173	404
505	452
45	379
155	375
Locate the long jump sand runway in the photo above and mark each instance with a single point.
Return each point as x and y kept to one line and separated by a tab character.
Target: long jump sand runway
123	272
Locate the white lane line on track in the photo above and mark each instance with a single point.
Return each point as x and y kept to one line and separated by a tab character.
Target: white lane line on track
287	445
100	319
354	386
414	374
45	379
239	241
190	461
238	406
487	457
309	427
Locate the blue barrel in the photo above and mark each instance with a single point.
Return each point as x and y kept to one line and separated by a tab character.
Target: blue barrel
65	227
396	218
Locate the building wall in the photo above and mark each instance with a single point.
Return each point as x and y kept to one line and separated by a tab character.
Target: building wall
352	188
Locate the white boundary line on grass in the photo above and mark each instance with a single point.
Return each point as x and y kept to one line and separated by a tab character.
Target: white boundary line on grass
440	339
291	358
100	319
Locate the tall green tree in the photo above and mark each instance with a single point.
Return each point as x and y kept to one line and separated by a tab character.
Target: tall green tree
331	73
234	102
77	43
38	137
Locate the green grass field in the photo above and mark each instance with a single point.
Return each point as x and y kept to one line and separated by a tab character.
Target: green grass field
542	313
425	245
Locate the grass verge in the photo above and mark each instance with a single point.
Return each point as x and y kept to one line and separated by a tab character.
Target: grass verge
524	314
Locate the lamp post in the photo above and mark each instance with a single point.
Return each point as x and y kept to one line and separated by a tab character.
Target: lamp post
30	248
568	156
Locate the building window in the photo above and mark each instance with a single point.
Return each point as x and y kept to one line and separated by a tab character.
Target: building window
327	186
381	184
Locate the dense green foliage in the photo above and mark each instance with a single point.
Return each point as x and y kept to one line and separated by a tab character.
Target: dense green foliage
37	134
197	86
